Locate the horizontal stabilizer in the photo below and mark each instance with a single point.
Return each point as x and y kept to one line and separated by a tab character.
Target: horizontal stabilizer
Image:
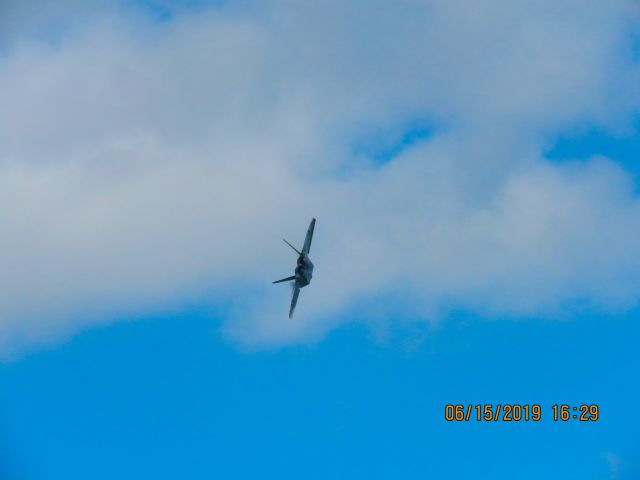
292	277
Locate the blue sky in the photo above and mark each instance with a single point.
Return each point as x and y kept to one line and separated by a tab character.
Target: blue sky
475	178
165	397
624	147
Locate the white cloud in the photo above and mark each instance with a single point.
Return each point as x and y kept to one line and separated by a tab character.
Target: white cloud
142	164
614	462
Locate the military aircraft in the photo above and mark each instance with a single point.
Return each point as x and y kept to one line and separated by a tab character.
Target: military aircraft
304	268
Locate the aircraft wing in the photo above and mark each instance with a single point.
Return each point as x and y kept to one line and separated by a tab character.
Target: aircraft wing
294	300
307	239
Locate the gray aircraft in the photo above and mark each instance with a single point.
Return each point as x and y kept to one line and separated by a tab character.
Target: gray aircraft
304	268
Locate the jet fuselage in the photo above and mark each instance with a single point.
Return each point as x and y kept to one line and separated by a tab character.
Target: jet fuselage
304	271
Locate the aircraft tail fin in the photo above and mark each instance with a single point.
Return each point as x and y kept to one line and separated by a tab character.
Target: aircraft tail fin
294	248
292	277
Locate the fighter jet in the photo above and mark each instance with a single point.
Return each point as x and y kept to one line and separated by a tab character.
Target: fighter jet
304	268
